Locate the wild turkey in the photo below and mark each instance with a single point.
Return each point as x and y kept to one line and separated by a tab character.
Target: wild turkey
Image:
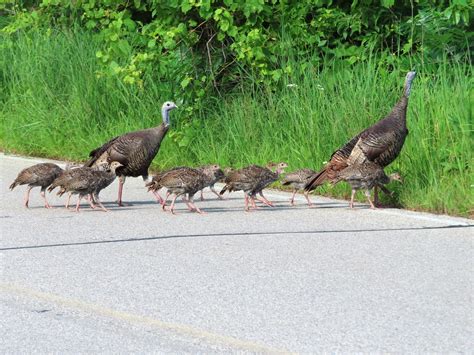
104	177
72	171
42	175
215	174
134	150
266	178
65	179
365	176
298	180
380	143
154	185
244	179
181	182
87	181
252	180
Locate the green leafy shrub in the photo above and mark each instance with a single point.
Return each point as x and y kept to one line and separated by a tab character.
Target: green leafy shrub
203	47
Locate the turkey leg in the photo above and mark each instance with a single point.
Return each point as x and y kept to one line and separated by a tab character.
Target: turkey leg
43	195
27	196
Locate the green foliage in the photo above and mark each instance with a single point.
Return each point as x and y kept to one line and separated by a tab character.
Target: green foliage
54	104
256	80
203	47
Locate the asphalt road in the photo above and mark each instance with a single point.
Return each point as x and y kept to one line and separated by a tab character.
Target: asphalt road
276	280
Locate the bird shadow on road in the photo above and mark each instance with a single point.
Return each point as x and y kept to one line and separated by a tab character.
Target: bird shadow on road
276	208
238	234
279	205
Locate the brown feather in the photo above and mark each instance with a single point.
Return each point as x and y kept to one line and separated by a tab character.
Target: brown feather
381	143
42	175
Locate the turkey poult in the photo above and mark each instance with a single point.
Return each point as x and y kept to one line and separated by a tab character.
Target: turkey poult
72	171
182	181
37	175
264	179
154	185
298	180
365	176
380	143
104	177
134	150
63	178
252	180
215	174
89	182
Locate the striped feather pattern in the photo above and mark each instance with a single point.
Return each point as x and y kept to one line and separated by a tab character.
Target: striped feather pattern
380	143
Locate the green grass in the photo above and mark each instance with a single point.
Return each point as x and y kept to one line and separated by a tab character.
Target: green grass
53	105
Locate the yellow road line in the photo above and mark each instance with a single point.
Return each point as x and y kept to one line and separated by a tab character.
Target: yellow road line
182	329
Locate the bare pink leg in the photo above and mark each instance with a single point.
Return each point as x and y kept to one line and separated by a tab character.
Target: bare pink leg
367	194
264	200
172	204
43	195
292	200
191	202
158	197
217	194
91	201
246	198
190	207
97	200
163	202
351	204
27	196
252	201
120	190
68	200
306	194
79	198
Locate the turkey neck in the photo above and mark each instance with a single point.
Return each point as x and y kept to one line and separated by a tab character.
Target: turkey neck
159	133
399	111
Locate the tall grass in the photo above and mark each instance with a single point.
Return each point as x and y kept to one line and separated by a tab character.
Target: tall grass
54	105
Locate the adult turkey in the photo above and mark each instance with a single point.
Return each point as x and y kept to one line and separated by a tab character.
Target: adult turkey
298	180
365	176
252	180
41	175
381	143
134	150
89	182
